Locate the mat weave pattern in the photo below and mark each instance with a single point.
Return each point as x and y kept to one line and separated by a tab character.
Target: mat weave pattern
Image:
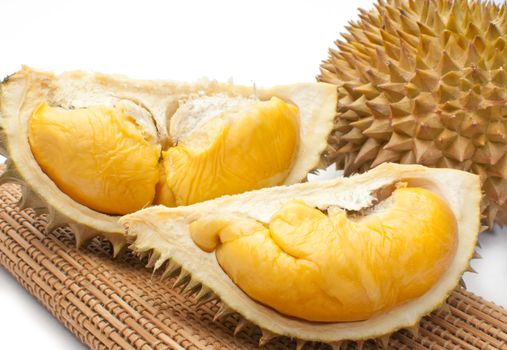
118	304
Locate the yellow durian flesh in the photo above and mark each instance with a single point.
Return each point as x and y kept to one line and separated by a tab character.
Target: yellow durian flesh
96	155
254	150
166	232
331	268
100	158
158	103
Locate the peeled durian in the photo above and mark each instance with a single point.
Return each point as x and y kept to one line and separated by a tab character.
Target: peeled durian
353	258
90	147
424	82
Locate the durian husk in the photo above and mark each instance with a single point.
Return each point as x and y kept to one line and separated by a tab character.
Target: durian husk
424	82
21	92
163	233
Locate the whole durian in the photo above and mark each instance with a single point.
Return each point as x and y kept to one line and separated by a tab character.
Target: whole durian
424	82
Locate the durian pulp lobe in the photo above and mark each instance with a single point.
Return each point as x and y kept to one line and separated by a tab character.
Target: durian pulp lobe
245	148
98	156
331	268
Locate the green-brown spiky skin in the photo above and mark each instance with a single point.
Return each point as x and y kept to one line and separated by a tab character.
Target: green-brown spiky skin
424	82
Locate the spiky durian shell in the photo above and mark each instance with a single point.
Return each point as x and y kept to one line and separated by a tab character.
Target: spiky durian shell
424	82
164	233
22	91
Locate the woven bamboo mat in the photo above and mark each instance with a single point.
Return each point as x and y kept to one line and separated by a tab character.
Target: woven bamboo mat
118	304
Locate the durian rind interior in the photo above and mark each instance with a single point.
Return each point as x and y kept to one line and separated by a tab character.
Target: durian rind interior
166	232
152	104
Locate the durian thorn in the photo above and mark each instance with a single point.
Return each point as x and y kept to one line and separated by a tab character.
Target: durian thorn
159	263
55	220
483	228
383	341
360	345
476	256
414	330
240	326
3	139
462	283
300	344
140	255
10	173
202	292
182	280
83	234
471	269
154	256
266	337
206	298
171	270
222	312
30	199
445	308
192	287
118	244
337	345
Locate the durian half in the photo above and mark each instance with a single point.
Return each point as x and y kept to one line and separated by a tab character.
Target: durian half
375	253
424	82
89	147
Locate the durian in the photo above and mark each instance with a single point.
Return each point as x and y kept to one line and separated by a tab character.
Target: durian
348	259
91	147
424	82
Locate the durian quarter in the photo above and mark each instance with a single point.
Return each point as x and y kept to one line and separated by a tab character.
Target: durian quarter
424	82
90	147
353	258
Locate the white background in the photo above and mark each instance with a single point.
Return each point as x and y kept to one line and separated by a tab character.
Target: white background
266	42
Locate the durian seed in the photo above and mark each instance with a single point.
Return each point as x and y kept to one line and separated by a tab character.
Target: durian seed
222	312
266	337
55	220
240	326
183	279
